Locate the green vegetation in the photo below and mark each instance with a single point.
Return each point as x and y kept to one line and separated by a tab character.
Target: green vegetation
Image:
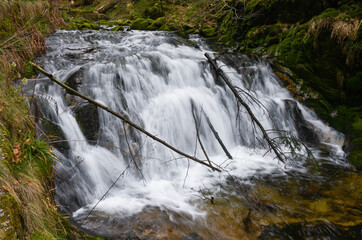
27	206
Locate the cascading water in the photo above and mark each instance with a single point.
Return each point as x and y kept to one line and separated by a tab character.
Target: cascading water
164	84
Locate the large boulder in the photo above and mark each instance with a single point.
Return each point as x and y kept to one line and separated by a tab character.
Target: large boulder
88	120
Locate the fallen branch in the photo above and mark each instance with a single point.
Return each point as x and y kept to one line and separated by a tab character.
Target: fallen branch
220	73
123	118
217	137
198	134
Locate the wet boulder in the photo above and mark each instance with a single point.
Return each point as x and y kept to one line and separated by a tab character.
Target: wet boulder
306	131
75	79
88	119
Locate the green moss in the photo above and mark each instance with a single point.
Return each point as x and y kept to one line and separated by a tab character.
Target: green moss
157	24
79	24
166	28
356	155
141	24
118	28
10	224
29	70
208	32
154	12
356	145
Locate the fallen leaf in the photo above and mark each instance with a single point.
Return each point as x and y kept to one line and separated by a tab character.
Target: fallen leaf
27	141
16	153
27	182
5	188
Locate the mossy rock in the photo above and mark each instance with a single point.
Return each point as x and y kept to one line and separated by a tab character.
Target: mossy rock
55	135
154	12
354	89
190	31
168	28
157	24
227	40
118	28
107	23
88	26
208	32
126	23
141	24
355	156
83	25
10	218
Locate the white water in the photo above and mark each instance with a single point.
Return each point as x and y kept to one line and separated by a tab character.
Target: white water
159	76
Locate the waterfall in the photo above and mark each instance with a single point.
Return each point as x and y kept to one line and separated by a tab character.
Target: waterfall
156	79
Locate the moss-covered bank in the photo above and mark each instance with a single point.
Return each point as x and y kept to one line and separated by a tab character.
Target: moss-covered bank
320	49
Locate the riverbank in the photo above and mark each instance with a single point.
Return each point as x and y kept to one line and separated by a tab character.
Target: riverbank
27	207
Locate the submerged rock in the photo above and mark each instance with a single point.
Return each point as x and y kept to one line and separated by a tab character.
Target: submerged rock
311	230
192	236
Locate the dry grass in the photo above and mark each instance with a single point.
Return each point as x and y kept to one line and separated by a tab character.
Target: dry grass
341	28
27	177
24	24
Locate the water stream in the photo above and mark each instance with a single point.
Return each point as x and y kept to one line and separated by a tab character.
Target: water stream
165	84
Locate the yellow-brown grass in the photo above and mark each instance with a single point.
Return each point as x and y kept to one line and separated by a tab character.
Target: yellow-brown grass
344	30
23	28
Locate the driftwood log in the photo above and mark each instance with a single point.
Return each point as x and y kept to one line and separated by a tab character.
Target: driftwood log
124	119
223	76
